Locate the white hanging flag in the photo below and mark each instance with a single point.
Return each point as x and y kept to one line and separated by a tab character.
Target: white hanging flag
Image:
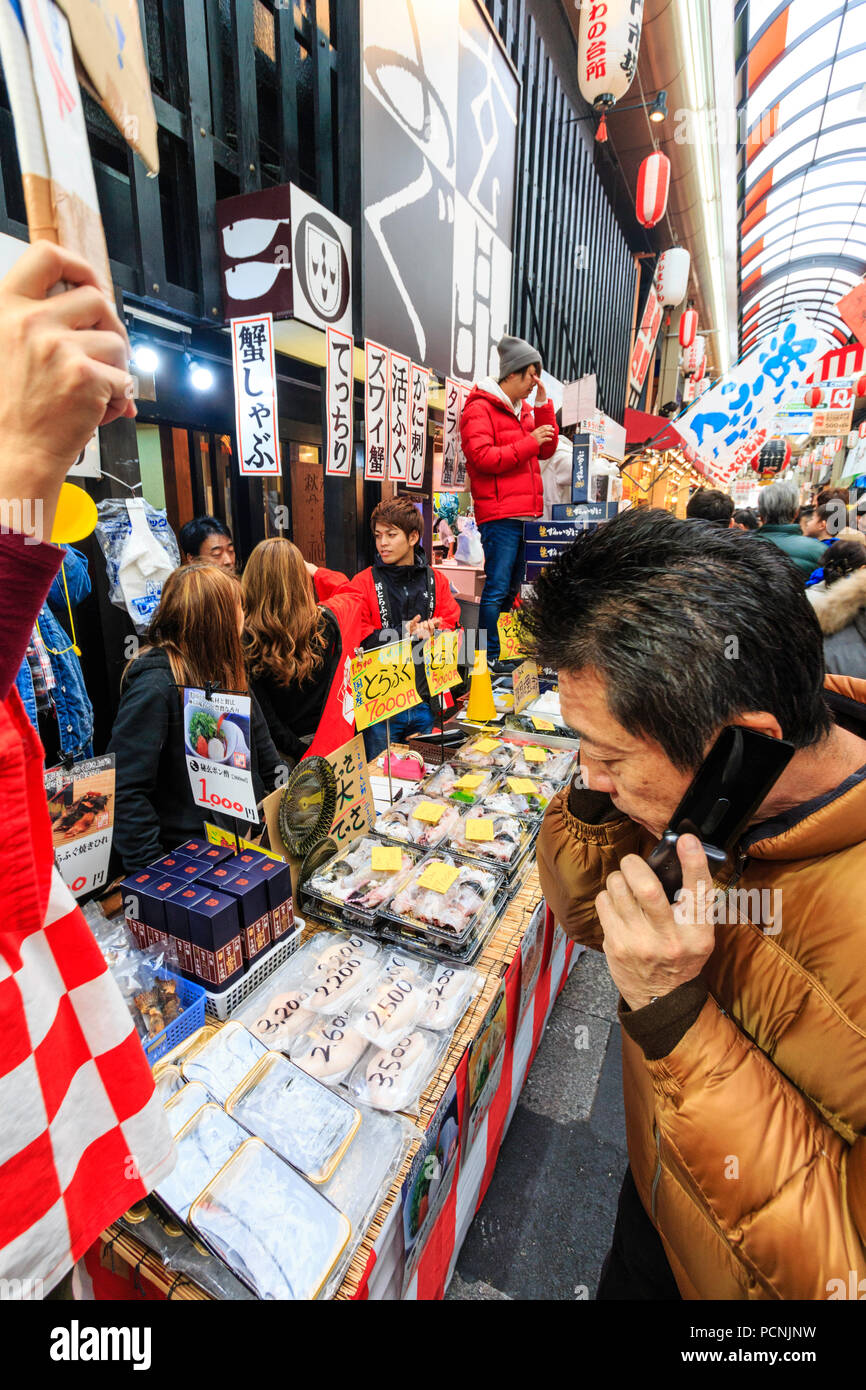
451	435
255	378
418	382
377	389
460	475
340	385
398	439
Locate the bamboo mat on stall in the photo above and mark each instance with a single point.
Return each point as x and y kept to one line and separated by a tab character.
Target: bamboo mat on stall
493	963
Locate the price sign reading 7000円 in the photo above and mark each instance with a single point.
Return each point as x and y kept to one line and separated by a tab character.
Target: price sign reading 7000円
383	684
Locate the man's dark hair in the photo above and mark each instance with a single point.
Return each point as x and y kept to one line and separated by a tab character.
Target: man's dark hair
653	604
843	557
709	504
194	534
400	512
747	517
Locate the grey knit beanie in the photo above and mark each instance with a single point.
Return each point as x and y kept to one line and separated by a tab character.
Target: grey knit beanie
515	355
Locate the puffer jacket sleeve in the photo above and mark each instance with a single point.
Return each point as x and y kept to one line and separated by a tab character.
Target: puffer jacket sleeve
546	415
574	859
478	436
785	1189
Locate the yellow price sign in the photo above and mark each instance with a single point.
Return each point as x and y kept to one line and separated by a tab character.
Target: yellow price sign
217	836
486	745
438	877
509	637
440	662
522	786
259	849
470	781
480	829
525	683
429	812
544	726
386	859
383	683
533	754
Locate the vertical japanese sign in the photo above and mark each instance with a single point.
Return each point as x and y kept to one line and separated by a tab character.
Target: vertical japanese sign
398	438
418	381
255	395
645	342
81	808
377	389
355	813
460	473
450	435
340	380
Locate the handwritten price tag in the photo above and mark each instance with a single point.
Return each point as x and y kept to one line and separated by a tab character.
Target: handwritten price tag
429	812
525	684
217	836
480	829
486	745
438	877
522	786
383	684
544	726
470	781
440	662
533	754
386	859
509	640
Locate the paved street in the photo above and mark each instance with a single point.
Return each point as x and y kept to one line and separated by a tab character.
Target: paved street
545	1224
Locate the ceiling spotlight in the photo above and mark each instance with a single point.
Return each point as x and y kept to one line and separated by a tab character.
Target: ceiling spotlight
200	377
659	109
145	358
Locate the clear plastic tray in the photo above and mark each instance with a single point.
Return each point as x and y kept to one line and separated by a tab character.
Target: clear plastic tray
184	1103
203	1145
442	783
329	1050
223	1060
499	757
557	766
453	915
272	1228
511	838
394	1077
301	1120
502	799
401	823
350	888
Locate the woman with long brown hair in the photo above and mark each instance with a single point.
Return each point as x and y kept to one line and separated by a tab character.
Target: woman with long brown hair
194	639
297	649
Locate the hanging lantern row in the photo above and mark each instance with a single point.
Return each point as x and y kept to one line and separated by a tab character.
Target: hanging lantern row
608	40
688	327
653	185
694	356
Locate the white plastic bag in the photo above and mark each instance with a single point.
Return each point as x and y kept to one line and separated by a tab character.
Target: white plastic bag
140	553
469	550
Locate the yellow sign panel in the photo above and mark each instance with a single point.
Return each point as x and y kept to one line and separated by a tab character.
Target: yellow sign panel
470	780
429	812
544	726
383	684
486	745
217	836
532	754
440	662
509	640
521	786
480	829
525	683
386	858
259	849
438	877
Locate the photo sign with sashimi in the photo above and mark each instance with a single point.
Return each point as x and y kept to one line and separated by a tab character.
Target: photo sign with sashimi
81	809
383	683
217	746
725	418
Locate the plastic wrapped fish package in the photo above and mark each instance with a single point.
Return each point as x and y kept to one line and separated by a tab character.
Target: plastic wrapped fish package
504	837
395	1076
329	1049
340	973
445	898
421	820
167	1081
224	1060
461	782
182	1106
273	1229
532	760
485	750
205	1143
449	995
351	883
527	797
392	1006
304	1122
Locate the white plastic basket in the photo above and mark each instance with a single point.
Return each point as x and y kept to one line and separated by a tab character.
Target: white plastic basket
223	1005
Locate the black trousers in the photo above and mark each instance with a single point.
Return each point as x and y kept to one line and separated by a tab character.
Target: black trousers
636	1266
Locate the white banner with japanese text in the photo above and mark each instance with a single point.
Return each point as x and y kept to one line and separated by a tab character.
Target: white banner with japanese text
450	436
255	379
340	384
377	389
460	474
398	438
418	381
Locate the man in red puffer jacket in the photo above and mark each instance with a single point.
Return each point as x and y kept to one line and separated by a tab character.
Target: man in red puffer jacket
503	439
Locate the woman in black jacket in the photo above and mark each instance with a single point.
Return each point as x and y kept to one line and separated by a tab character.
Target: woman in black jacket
195	638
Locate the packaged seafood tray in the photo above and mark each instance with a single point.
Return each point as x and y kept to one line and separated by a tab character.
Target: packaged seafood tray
525	797
485	750
352	888
439	951
445	899
460	782
495	838
423	820
536	760
280	1010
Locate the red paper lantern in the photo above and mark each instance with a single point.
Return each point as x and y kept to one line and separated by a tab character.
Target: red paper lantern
813	397
653	182
688	327
702	367
860	388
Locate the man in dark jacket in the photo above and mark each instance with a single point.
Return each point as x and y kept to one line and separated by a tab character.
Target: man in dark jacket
503	440
778	506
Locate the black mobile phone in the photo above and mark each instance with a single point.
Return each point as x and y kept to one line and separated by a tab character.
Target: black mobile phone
727	789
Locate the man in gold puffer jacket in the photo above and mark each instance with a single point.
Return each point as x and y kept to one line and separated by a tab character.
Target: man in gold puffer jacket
744	1026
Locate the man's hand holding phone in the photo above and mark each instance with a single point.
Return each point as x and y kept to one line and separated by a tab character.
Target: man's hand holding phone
649	950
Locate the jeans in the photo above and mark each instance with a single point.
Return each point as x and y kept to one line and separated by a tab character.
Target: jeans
504	565
418	720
